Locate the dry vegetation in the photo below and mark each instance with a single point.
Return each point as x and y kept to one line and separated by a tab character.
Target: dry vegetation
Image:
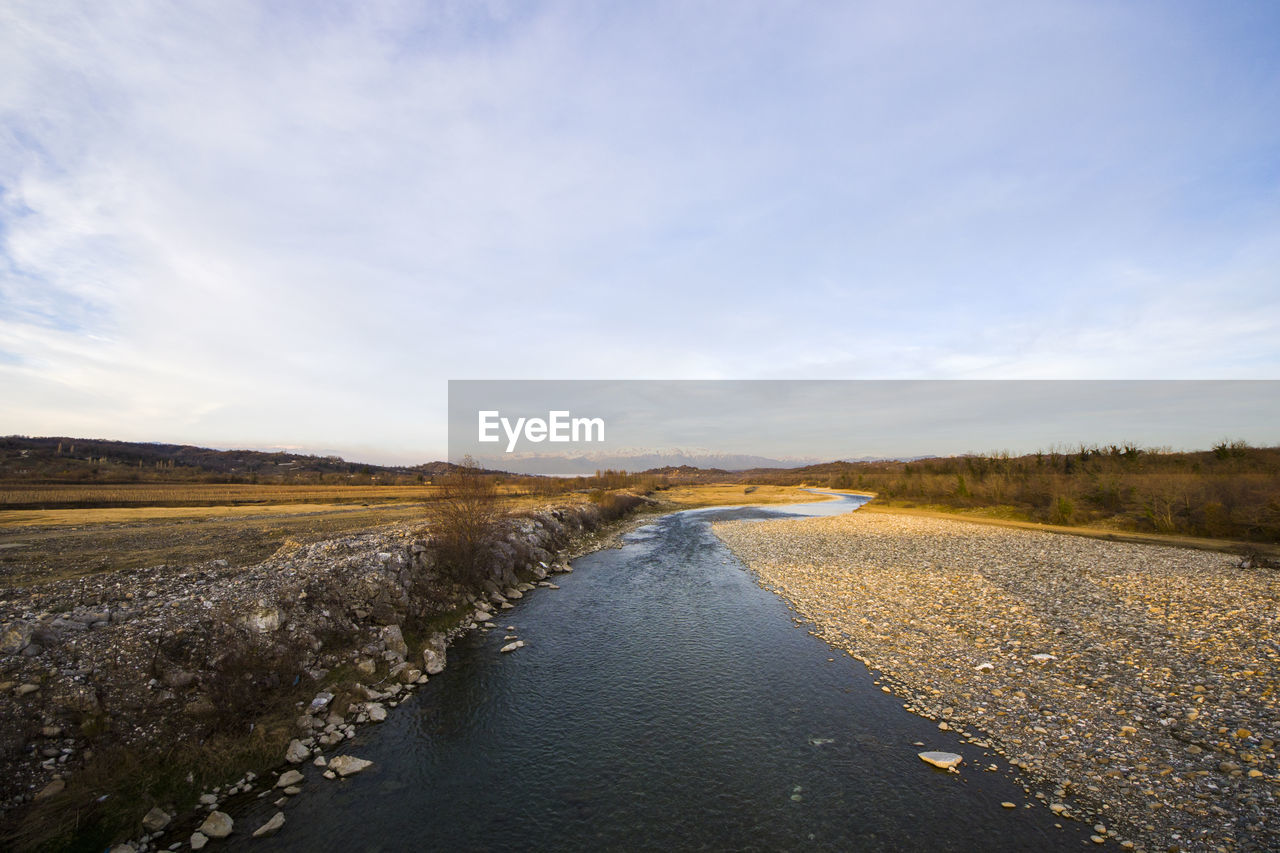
1229	492
69	495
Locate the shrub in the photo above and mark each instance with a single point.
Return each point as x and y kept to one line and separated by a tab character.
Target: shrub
464	524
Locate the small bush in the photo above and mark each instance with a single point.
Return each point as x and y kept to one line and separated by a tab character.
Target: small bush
464	522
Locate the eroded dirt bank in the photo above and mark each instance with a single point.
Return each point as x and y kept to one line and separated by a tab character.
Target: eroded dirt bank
1136	685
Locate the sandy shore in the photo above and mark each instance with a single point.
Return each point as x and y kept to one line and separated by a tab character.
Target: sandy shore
1135	684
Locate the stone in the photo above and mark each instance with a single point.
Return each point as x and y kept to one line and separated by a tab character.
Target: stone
271	827
217	825
16	636
984	667
393	639
126	847
155	820
433	655
321	702
1043	658
26	689
289	778
481	616
57	786
511	647
1008	805
293	790
409	675
945	760
296	753
366	666
198	840
348	765
377	712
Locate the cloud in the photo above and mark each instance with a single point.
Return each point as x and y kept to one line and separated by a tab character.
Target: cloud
233	223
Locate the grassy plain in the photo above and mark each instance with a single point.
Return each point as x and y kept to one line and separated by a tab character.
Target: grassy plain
183	524
732	494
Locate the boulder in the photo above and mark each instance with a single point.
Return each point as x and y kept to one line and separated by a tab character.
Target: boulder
296	753
57	786
198	840
155	820
377	712
216	825
16	636
393	638
289	778
945	760
271	827
433	655
348	765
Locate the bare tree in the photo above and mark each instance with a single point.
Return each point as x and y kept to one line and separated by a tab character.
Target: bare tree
464	520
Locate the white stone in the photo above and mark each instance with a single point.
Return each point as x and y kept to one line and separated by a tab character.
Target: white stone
216	825
289	778
945	760
270	827
296	753
348	765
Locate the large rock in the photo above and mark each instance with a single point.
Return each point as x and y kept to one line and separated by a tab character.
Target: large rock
433	655
296	753
271	827
216	825
393	638
57	786
348	765
289	778
16	636
945	760
156	819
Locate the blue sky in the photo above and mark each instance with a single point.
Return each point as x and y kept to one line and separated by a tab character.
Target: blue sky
287	225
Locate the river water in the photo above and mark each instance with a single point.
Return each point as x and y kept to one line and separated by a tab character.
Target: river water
664	701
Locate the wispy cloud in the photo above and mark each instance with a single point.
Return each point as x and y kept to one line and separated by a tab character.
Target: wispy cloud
240	223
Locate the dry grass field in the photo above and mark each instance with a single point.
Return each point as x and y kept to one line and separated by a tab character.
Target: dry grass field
185	524
732	494
67	495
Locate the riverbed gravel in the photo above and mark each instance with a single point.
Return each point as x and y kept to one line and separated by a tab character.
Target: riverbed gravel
1135	686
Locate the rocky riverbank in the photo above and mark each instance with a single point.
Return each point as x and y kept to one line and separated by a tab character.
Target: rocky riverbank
143	662
1135	685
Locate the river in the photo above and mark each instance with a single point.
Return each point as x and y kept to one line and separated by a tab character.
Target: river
664	701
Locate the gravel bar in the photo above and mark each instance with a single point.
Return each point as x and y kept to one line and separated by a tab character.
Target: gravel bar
1135	685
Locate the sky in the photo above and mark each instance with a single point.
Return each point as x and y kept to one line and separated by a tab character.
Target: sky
288	225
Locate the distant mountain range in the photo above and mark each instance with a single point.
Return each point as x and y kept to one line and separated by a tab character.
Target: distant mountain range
66	459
